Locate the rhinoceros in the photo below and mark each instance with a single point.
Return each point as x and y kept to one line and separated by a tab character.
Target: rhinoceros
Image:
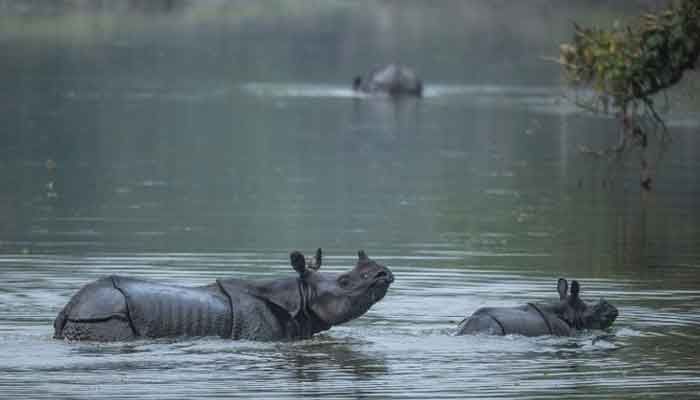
117	308
560	318
392	79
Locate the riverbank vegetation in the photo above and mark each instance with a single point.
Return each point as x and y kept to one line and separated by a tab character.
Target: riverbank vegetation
625	70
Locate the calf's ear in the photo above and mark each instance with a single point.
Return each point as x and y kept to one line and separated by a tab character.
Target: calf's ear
319	258
357	82
562	288
298	262
575	288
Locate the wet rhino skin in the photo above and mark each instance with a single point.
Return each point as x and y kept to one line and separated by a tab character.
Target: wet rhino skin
119	308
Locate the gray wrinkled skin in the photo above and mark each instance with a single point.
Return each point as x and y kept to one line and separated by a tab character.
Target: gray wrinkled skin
563	318
392	79
119	308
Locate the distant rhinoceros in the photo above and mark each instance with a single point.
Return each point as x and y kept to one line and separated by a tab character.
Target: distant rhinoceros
120	308
392	79
561	318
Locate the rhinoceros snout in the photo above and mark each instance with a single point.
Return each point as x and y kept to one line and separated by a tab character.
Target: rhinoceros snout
385	274
601	315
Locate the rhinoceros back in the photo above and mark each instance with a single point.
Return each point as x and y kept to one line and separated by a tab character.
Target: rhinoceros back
393	79
117	308
527	320
158	310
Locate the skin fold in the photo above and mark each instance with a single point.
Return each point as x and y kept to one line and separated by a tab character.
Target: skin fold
119	308
560	318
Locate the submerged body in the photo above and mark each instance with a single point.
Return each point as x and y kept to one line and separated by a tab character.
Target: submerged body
527	320
120	308
562	318
392	79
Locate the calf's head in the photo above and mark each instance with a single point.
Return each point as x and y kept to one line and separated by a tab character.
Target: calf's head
338	298
579	314
599	316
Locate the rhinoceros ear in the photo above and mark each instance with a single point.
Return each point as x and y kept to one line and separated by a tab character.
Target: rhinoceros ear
298	262
575	288
357	82
315	262
562	288
319	258
362	256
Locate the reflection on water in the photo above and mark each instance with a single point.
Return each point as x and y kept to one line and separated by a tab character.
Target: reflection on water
208	140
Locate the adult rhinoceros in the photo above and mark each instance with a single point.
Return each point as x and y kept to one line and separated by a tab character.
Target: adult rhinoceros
121	308
392	79
562	318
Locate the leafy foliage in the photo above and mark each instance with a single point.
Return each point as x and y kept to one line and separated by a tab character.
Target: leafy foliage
628	65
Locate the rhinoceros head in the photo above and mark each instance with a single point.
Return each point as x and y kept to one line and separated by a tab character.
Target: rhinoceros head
580	315
338	298
599	316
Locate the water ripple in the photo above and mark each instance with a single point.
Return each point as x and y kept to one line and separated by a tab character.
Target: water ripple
403	347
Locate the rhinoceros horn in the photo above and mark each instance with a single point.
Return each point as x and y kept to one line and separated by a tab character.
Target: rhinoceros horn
362	256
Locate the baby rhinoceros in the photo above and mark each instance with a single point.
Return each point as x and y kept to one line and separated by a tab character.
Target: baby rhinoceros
120	308
562	318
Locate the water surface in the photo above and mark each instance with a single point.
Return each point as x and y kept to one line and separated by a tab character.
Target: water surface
194	142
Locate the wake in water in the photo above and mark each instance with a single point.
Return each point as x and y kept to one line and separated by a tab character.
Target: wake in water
542	99
269	89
